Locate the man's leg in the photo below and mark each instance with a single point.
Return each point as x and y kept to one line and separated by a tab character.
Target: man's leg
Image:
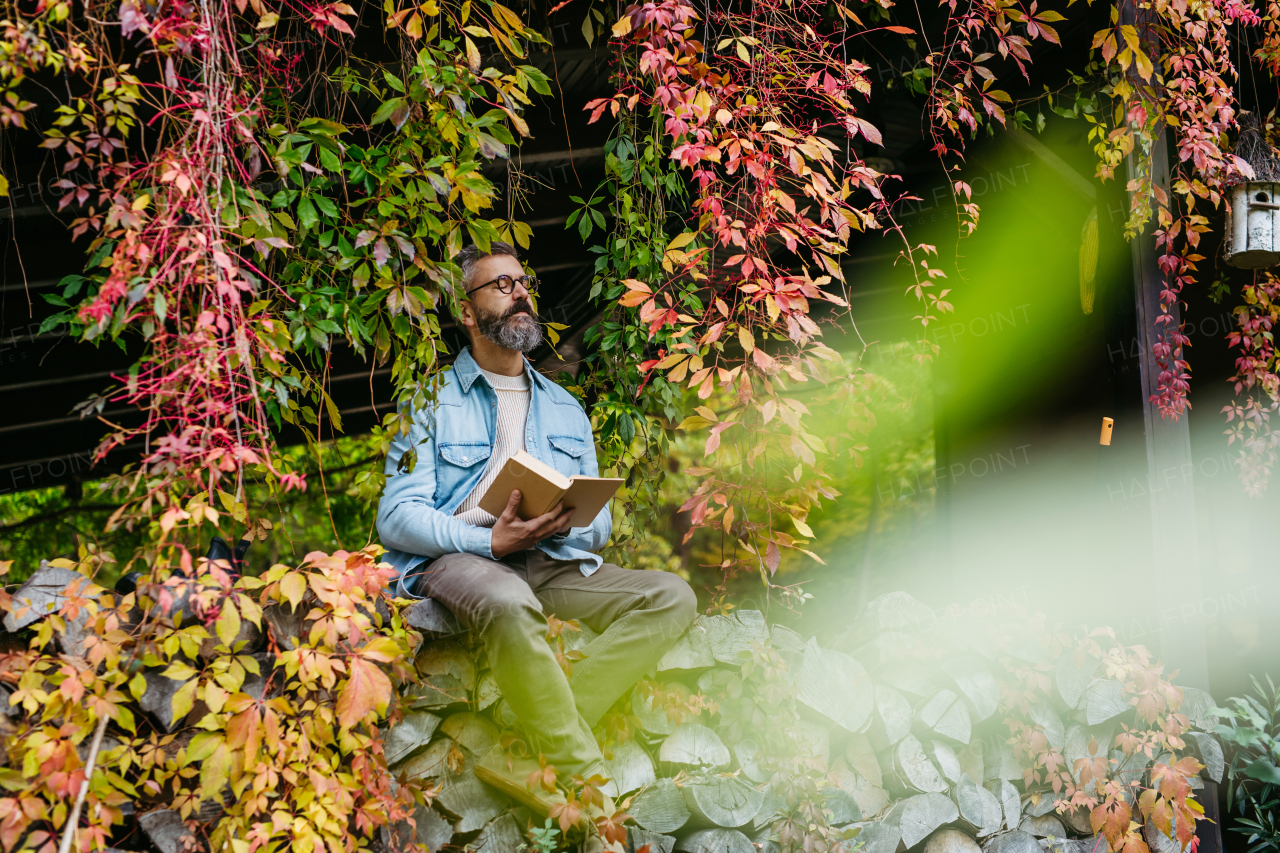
494	600
639	614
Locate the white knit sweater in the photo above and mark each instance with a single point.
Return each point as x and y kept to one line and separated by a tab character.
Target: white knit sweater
513	410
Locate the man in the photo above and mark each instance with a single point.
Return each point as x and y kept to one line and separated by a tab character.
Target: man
502	576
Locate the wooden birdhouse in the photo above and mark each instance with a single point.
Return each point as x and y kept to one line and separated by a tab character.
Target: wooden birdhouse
1253	218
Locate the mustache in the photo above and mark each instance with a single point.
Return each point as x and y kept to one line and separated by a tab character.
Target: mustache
523	305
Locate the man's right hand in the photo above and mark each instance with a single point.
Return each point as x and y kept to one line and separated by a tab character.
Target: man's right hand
510	534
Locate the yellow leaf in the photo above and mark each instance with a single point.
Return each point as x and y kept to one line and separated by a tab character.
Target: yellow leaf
269	20
473	56
228	624
179	671
4	186
1130	34
1144	64
521	127
804	529
215	697
507	18
383	649
746	339
249	608
184	699
707	413
694	422
293	587
682	240
622	27
216	770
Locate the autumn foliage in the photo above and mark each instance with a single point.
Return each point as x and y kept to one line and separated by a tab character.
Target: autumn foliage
268	740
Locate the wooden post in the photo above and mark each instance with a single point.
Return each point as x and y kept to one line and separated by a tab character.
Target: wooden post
1175	570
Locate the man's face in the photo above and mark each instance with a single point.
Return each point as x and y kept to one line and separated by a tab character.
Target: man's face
507	319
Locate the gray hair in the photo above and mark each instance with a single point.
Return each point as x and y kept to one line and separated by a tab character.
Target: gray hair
471	255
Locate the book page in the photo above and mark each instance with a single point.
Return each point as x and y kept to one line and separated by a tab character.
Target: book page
587	496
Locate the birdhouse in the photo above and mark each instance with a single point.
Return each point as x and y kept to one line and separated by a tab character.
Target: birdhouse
1253	219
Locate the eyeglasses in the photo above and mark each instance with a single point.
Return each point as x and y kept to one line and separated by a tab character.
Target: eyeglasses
506	284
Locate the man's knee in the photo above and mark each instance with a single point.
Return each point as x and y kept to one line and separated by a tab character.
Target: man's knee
494	600
503	605
675	598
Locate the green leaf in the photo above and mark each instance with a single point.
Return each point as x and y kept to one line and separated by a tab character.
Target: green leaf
386	109
330	160
327	206
1264	771
202	746
12	780
360	279
307	213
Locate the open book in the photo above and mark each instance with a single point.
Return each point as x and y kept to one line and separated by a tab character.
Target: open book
542	486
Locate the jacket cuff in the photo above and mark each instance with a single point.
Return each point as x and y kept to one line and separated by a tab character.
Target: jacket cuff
480	542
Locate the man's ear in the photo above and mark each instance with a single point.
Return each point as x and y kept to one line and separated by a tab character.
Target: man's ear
467	313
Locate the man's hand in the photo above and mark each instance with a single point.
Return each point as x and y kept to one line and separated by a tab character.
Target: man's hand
510	534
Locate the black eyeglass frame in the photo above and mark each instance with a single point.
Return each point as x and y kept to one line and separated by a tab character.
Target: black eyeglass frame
530	283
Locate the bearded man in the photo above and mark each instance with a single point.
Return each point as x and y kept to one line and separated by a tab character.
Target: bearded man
502	576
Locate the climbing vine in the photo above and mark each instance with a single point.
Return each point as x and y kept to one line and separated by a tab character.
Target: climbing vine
743	141
239	229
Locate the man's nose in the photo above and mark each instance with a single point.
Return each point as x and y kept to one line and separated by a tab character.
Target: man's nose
519	290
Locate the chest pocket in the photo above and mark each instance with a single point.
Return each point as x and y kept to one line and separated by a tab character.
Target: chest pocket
458	463
567	453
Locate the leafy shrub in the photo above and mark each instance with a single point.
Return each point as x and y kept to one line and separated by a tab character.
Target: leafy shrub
248	706
1251	727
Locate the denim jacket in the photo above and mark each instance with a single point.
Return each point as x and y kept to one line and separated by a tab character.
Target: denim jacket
454	437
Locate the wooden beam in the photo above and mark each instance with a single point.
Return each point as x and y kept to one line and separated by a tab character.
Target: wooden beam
1175	570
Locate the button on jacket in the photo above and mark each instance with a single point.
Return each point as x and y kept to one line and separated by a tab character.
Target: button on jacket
454	438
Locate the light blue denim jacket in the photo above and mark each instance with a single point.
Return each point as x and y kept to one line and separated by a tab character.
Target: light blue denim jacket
454	437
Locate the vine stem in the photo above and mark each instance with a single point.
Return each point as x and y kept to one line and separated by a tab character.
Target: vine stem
70	829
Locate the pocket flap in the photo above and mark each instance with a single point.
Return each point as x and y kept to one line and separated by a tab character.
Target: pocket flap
568	444
465	455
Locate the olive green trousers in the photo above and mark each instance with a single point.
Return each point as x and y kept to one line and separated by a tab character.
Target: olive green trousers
638	614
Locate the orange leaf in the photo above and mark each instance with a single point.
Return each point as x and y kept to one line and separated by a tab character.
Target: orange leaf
367	689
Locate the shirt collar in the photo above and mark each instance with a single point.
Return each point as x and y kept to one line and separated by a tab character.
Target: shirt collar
468	372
